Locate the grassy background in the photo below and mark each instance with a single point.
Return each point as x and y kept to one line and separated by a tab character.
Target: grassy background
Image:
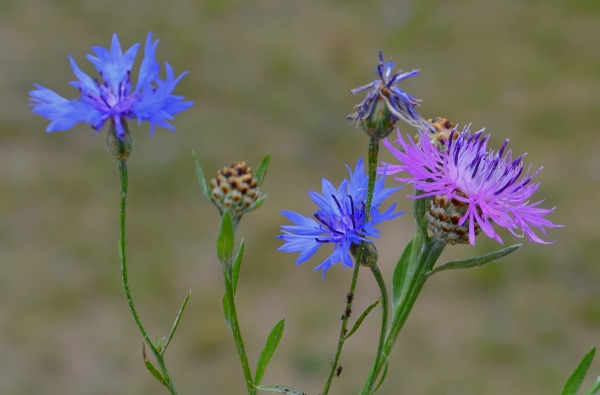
273	76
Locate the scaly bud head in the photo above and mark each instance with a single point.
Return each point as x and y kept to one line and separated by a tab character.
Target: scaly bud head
369	254
119	147
443	217
234	189
380	123
439	135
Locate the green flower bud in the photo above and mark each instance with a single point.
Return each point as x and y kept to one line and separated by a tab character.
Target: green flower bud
120	149
380	123
369	254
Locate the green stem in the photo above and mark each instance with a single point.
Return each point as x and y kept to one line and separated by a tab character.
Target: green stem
431	251
123	257
235	327
384	319
373	153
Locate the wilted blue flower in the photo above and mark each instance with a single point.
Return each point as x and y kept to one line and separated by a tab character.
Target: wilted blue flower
384	90
340	219
485	185
114	97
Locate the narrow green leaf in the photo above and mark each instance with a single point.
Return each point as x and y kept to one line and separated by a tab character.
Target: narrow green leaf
151	367
385	370
176	323
279	388
267	352
227	311
259	202
476	261
361	318
225	239
400	274
576	379
261	171
235	269
201	178
420	207
595	388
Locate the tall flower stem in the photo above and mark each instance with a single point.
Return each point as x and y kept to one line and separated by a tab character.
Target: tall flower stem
373	154
429	253
235	327
123	256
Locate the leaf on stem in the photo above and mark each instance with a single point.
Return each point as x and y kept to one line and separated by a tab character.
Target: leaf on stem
476	261
385	370
279	388
576	379
201	178
176	323
151	367
261	171
267	352
227	311
225	239
419	209
361	319
235	269
595	388
258	203
400	274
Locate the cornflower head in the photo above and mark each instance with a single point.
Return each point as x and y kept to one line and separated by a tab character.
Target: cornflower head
472	187
385	103
114	97
341	219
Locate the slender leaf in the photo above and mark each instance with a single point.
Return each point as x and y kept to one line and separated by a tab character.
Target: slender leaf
227	311
176	323
576	379
399	275
225	239
361	318
235	269
420	207
267	352
385	370
261	171
279	388
201	178
476	261
595	388
151	367
259	202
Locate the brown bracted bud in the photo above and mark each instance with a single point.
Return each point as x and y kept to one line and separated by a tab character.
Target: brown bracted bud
443	217
234	189
440	134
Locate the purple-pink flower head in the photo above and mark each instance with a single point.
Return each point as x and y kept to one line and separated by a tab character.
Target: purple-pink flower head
489	185
114	97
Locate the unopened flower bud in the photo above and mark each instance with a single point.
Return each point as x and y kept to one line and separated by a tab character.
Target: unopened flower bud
380	123
443	217
234	189
440	133
118	147
369	254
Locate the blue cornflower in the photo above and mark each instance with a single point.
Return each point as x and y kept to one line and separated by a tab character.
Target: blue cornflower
383	93
340	219
114	97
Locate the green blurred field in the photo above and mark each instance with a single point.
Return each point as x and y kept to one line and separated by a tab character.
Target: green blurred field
273	76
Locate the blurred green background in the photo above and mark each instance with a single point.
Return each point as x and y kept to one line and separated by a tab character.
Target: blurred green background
273	76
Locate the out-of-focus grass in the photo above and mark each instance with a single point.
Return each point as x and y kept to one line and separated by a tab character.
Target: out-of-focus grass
273	76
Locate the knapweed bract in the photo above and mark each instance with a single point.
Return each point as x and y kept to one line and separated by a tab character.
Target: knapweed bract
340	220
488	184
114	97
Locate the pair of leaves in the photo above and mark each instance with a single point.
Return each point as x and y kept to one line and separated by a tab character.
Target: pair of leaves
574	383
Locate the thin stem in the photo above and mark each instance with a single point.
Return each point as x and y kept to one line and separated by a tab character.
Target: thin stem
429	255
384	319
123	257
235	328
373	153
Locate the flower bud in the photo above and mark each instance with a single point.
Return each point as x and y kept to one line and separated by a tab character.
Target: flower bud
439	134
380	123
234	189
369	254
443	217
117	147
